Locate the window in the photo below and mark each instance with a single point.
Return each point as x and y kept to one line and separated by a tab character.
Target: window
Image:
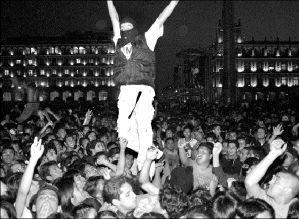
78	61
6	72
18	61
30	62
283	81
66	71
30	72
295	81
42	72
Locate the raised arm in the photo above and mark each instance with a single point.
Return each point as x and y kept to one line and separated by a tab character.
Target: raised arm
167	11
114	19
36	152
182	153
120	168
277	148
144	180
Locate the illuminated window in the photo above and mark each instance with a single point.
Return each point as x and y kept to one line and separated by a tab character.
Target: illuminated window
266	81
253	66
30	72
266	66
295	81
76	50
42	72
30	62
78	61
253	81
66	71
278	66
18	61
82	50
290	66
283	81
6	72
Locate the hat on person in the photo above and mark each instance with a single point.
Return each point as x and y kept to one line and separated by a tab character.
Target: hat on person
183	178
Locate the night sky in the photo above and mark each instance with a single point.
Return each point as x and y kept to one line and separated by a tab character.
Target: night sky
192	24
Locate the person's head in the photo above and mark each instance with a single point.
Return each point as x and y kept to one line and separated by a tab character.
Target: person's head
91	135
224	205
293	212
130	156
8	155
47	201
169	144
187	131
119	192
173	200
50	171
260	133
128	31
211	137
70	142
169	133
232	148
94	187
203	154
198	211
232	135
106	214
295	144
283	186
18	167
51	152
7	210
114	155
90	170
84	211
238	189
242	142
290	157
248	165
84	142
255	208
94	147
294	168
216	129
105	139
244	154
61	133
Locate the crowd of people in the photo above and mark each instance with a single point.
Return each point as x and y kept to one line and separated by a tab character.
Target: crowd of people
219	161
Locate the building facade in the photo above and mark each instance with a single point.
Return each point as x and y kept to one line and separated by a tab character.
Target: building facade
267	69
63	67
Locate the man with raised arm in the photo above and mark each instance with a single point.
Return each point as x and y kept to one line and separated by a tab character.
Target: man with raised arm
283	188
135	74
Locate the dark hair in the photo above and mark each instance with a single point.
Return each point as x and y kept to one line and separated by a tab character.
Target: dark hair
293	212
197	210
224	205
81	210
211	135
9	208
251	207
44	170
233	142
91	185
152	215
13	183
173	200
112	187
91	146
200	197
188	126
106	214
65	186
238	189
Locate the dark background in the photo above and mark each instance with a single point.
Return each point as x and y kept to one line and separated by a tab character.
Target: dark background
192	24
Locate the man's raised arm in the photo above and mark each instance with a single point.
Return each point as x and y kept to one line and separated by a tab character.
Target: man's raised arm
277	148
167	11
114	19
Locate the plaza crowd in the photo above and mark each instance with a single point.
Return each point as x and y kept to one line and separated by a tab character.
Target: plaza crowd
219	161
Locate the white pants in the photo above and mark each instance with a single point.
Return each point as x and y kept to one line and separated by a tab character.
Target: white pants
137	130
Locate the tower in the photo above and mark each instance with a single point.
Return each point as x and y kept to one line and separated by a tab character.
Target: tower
229	70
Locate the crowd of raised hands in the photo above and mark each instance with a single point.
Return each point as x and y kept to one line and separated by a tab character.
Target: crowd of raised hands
214	162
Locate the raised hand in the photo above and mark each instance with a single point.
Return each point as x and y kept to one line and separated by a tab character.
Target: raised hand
151	153
123	143
278	147
217	148
37	149
278	130
88	114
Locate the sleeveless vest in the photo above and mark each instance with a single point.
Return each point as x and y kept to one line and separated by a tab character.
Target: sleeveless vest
139	69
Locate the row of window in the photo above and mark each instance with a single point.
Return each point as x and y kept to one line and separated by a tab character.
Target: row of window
57	62
102	72
106	49
43	96
68	82
253	81
257	66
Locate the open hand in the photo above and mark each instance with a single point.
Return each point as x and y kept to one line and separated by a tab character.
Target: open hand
278	130
278	147
37	149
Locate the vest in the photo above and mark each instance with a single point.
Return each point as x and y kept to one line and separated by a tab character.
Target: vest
139	69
